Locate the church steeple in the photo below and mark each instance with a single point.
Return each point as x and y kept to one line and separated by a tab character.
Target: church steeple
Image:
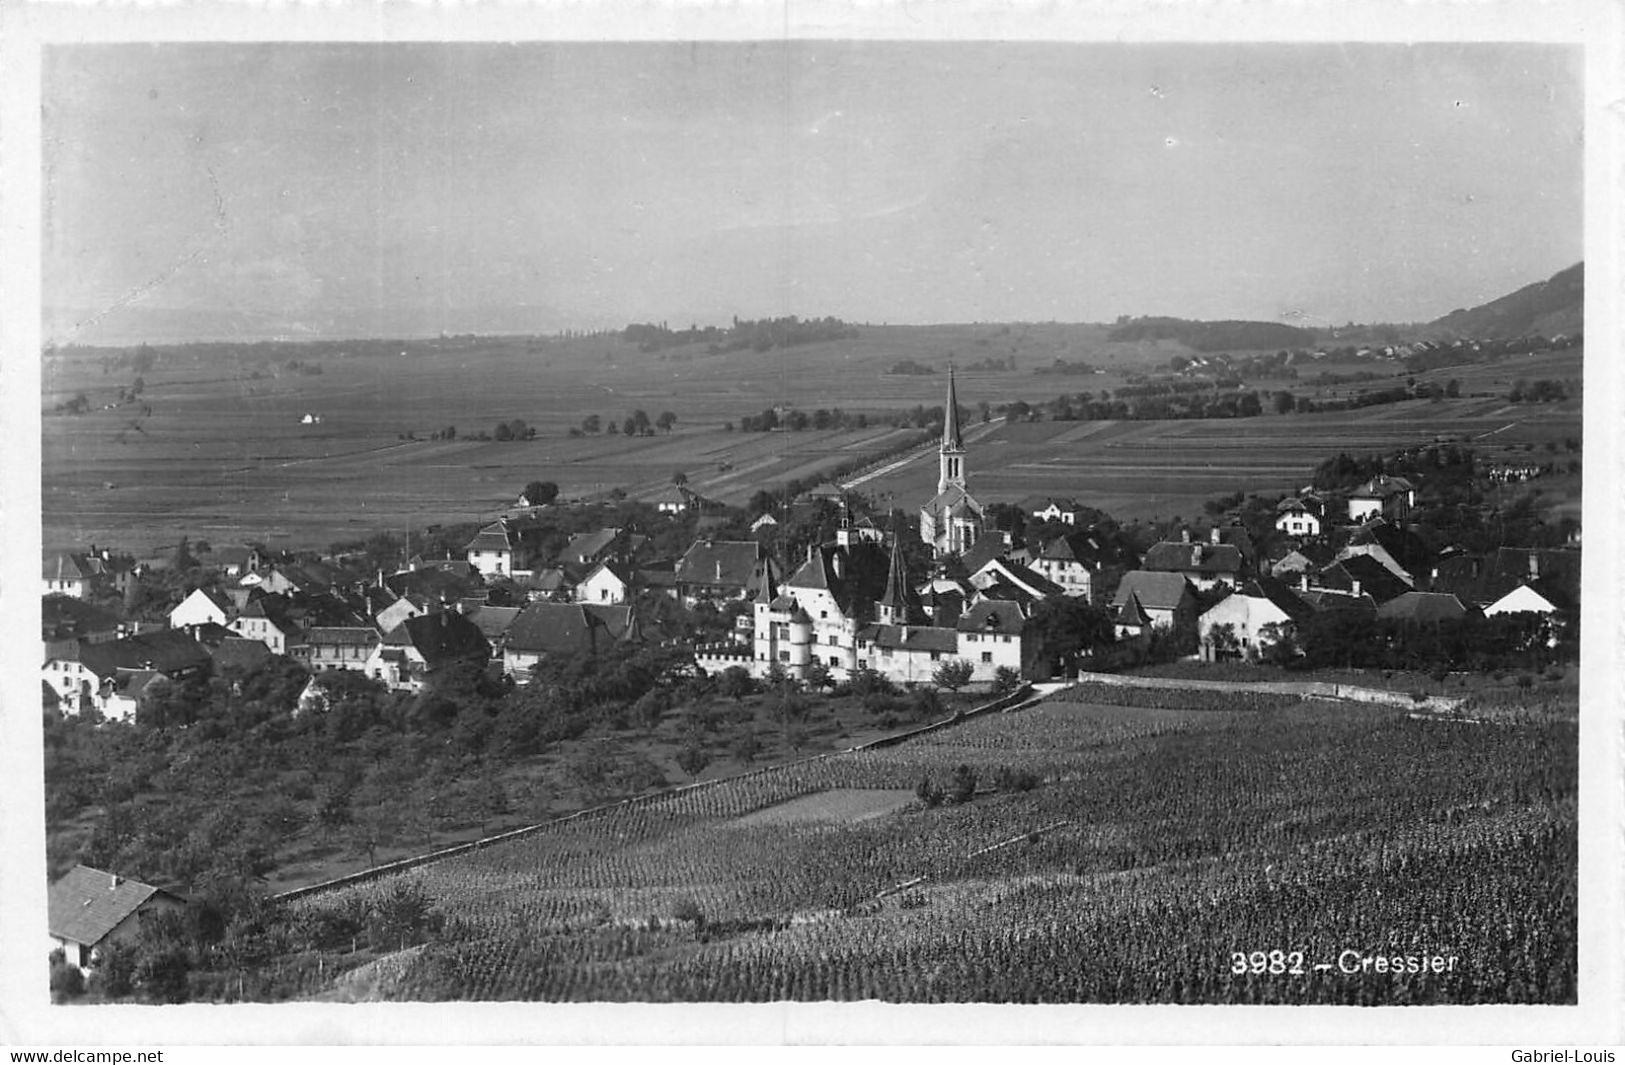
895	606
951	460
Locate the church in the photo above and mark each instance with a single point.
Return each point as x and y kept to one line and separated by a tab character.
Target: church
951	522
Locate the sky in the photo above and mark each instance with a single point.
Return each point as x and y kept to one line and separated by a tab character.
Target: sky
200	190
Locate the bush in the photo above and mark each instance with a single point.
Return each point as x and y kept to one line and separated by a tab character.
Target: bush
1006	680
962	785
1008	779
928	792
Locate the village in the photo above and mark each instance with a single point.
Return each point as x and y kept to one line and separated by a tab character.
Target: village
962	594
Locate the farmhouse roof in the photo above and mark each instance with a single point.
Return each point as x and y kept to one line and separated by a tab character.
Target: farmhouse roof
86	904
1156	590
570	628
63	617
494	621
233	652
911	638
737	564
993	616
68	567
983	551
1422	606
441	637
1277	593
169	651
1207	559
588	547
493	537
1373	577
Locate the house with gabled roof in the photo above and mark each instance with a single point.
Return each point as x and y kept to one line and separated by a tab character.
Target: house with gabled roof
66	622
1239	624
1084	562
606	582
407	654
1206	564
268	618
590	548
67	574
717	571
88	910
1299	516
88	675
1028	585
339	646
203	606
1166	599
1382	497
547	630
1422	608
1361	575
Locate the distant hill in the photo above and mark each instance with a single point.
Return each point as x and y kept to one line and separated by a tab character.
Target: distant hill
1211	337
1545	308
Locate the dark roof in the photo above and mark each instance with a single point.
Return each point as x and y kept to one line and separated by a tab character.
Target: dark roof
442	637
87	903
983	551
1092	547
657	578
740	564
854	576
911	637
435	584
1035	583
1131	613
493	537
1382	487
169	651
1207	559
67	567
1422	606
240	654
993	616
1375	579
1156	591
570	628
63	617
1323	601
586	547
1284	598
494	621
343	635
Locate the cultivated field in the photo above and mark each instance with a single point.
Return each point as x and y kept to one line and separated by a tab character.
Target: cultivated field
209	450
1156	844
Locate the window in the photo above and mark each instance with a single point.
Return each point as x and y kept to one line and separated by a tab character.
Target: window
987	656
823	613
936	656
831	640
863	663
784	656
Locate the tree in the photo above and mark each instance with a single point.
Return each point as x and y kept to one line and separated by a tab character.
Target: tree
953	674
591	423
629	427
1285	402
640	422
736	682
962	785
666	420
693	759
816	676
503	432
1006	680
679	478
1452	388
540	493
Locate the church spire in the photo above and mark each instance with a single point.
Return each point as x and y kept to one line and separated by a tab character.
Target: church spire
951	460
893	608
950	418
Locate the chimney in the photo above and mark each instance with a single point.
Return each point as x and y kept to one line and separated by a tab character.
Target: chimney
1303	580
1196	554
114	881
1215	534
1534	566
1354	588
1184	536
836	563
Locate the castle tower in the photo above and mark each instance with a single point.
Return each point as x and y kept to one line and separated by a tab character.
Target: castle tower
894	607
951	457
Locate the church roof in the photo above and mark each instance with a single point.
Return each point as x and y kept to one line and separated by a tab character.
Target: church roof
954	500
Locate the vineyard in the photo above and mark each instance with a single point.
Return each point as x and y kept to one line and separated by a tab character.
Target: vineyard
1145	846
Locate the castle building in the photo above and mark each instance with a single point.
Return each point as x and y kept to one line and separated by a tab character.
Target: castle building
952	521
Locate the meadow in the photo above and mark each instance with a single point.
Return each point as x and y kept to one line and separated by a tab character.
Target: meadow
1150	847
216	447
